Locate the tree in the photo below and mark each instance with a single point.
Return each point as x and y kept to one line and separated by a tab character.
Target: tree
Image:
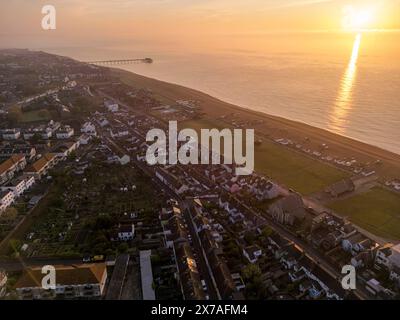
267	232
103	222
123	247
72	155
36	138
249	237
254	285
251	272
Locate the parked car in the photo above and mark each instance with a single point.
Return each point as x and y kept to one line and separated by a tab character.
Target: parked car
98	258
204	285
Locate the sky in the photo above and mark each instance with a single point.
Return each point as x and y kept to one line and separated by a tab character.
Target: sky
108	22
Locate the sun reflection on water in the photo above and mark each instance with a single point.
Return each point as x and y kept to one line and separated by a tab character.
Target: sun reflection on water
343	102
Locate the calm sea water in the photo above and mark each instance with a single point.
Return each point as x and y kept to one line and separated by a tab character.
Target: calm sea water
344	83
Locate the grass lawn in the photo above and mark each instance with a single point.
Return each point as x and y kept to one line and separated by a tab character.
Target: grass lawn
32	116
377	211
283	165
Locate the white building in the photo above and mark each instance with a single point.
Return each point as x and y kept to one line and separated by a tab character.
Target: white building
382	256
126	232
65	132
43	134
111	106
6	199
11	134
252	253
84	139
19	185
89	129
125	159
29	181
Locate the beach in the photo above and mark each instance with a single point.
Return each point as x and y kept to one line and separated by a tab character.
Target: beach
272	127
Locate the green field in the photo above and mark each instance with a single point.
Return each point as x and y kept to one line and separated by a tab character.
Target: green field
17	115
38	115
283	165
377	211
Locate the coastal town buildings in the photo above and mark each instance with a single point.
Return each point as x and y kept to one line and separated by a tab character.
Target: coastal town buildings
11	166
73	281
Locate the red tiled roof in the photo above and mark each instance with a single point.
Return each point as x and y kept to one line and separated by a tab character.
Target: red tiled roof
9	163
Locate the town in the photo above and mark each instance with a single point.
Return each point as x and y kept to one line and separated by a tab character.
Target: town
78	193
189	151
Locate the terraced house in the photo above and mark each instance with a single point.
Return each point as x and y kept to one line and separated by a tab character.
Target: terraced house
9	167
41	167
72	281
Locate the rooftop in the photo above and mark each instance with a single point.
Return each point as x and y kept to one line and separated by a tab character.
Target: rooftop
66	275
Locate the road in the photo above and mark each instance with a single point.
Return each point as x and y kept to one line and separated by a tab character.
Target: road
204	267
314	254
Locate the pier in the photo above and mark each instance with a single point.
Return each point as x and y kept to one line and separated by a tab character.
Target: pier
121	61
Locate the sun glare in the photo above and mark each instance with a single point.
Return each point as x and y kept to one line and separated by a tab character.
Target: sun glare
356	19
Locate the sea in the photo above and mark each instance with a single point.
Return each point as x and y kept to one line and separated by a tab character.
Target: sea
347	83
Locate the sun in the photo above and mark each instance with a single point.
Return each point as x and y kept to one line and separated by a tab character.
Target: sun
355	19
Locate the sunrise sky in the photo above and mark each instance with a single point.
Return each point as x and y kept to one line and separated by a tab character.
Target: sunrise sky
98	22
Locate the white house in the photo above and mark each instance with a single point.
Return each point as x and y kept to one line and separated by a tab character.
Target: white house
111	106
85	139
65	132
66	149
17	186
120	133
42	133
11	166
89	129
252	253
11	134
29	181
125	159
126	232
354	244
6	199
103	122
382	256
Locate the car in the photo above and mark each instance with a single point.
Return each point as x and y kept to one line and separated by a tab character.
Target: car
204	285
98	258
173	202
87	258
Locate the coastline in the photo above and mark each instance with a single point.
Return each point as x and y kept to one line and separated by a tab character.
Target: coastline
273	126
